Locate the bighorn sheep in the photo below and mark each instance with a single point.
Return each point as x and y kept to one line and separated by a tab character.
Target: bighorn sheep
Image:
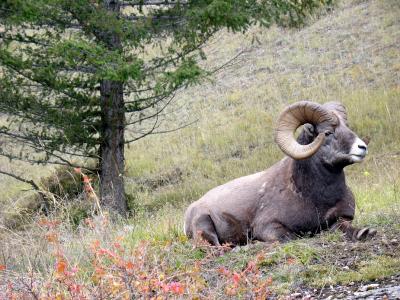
301	194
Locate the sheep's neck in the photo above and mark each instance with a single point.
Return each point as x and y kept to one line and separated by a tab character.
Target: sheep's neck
317	183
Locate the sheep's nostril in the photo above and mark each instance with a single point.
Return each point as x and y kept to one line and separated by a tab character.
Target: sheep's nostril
362	147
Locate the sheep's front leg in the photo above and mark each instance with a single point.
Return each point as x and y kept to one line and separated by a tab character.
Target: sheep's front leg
351	232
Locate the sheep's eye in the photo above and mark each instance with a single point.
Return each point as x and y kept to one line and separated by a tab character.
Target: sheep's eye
328	133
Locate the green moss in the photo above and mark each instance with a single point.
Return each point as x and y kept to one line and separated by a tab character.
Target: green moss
297	252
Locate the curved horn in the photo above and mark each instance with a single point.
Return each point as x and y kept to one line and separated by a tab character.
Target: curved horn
337	108
293	117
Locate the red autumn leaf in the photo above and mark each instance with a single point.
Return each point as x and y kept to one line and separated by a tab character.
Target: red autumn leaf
129	265
176	288
100	272
88	188
61	266
95	245
236	278
251	266
47	223
102	251
51	237
2	267
291	261
224	271
86	179
231	291
145	289
165	287
75	288
43	222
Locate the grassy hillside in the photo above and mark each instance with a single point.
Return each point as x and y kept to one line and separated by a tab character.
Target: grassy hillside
351	55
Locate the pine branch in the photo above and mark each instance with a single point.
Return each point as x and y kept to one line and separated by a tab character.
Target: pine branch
46	84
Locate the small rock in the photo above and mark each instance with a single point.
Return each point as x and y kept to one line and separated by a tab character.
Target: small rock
236	249
351	283
394	242
340	296
368	287
385	241
372	286
295	295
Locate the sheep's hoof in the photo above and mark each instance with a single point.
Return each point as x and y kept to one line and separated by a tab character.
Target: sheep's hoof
365	233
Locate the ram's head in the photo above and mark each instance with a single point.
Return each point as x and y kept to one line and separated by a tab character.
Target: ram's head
325	134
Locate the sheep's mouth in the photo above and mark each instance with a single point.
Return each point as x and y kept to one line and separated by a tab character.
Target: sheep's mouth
357	157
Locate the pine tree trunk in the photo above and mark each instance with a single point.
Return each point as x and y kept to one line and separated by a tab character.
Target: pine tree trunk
112	192
112	163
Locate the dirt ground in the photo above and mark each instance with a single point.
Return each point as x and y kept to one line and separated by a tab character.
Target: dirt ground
388	288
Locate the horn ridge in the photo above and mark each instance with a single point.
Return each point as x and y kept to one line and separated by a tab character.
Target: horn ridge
293	117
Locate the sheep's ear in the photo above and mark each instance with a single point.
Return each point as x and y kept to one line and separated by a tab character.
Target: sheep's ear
307	135
309	130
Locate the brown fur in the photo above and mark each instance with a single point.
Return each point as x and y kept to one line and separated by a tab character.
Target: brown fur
291	198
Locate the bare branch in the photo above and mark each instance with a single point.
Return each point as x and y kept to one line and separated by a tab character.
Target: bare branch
44	162
152	132
144	134
31	182
33	142
140	100
176	128
229	62
152	3
155	114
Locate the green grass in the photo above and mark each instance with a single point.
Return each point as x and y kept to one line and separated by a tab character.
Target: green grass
379	267
352	56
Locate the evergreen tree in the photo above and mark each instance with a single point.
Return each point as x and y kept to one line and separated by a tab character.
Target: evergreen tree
76	75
